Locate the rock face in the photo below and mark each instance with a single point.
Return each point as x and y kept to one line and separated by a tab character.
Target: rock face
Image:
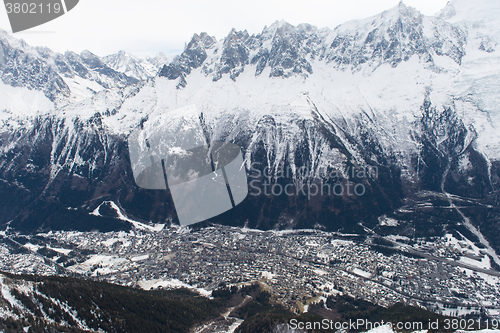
194	55
130	65
41	69
397	106
389	38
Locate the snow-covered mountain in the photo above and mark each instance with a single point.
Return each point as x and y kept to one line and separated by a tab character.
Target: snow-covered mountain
132	66
390	38
62	304
61	77
409	95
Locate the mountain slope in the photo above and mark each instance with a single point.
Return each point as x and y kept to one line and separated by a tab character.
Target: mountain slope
59	76
404	97
64	304
130	65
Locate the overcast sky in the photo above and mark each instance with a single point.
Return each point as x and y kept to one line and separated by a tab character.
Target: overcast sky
146	27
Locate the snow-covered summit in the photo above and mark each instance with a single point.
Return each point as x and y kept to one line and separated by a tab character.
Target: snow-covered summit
63	78
391	37
485	11
133	66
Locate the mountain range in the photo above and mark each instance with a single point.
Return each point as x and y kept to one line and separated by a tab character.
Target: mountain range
413	97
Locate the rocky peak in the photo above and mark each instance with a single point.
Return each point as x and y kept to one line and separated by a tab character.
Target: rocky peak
193	56
202	40
282	28
133	66
403	11
235	54
159	59
91	59
392	37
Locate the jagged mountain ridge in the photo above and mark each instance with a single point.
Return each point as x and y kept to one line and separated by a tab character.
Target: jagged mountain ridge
132	66
369	93
391	37
59	76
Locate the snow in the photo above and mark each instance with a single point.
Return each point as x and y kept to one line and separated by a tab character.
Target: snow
60	250
362	273
73	313
121	216
484	11
341	242
459	311
388	221
110	241
81	88
387	98
140	258
171	283
268	275
483	263
19	103
246	230
102	264
396	238
490	279
320	271
390	96
95	212
133	66
477	85
32	247
6	294
234	326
